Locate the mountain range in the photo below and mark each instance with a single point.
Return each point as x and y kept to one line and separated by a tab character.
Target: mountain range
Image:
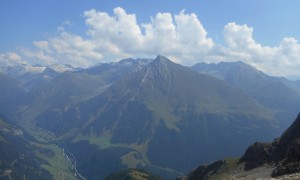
163	107
151	114
276	93
32	76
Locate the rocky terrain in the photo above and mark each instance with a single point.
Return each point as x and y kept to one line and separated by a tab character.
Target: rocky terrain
277	160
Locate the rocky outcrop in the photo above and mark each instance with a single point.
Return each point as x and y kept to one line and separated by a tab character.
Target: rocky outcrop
204	171
281	157
256	155
283	153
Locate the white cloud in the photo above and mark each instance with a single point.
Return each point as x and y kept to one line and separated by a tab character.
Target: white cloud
11	59
282	60
114	36
66	48
73	49
180	37
39	56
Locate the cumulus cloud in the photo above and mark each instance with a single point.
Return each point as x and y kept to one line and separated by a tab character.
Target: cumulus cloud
11	59
120	35
282	60
114	36
66	48
181	37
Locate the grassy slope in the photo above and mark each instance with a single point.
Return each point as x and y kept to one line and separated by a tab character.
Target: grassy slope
132	174
57	163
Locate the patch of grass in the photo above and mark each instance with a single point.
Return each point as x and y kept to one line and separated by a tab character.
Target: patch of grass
229	166
231	162
58	166
132	174
138	175
102	141
132	160
39	134
163	112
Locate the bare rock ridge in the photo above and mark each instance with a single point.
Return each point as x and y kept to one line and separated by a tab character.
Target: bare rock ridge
159	68
283	152
282	157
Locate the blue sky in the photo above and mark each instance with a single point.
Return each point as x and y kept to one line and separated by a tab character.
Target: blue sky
26	21
27	27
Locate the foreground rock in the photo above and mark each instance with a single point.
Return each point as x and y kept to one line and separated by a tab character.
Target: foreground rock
277	160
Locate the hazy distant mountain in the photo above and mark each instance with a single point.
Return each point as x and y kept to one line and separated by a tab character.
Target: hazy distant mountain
276	93
261	160
10	95
158	118
31	77
119	68
237	73
92	81
54	98
9	87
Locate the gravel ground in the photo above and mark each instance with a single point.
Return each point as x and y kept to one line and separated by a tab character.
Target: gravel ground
261	173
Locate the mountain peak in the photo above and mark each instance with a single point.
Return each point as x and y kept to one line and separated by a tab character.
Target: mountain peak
161	58
160	67
161	61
